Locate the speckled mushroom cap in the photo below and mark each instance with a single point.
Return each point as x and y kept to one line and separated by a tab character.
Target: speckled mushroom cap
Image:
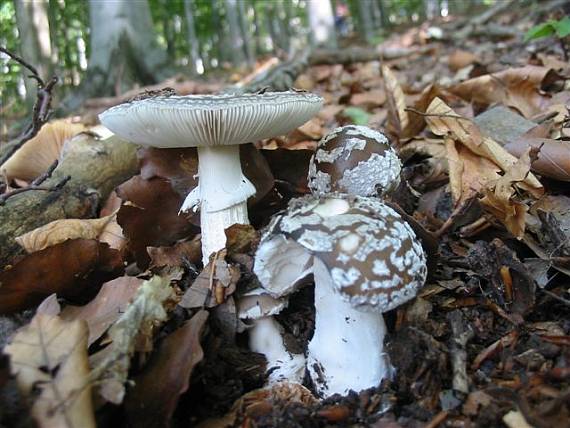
208	120
373	256
356	160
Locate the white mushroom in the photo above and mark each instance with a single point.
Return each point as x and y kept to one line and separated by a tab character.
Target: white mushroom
367	261
216	124
356	160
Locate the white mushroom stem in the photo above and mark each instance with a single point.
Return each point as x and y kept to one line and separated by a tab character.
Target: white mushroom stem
346	351
221	194
266	337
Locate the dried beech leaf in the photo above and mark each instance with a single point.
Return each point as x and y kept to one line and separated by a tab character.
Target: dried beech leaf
145	312
62	230
177	255
49	359
38	154
369	99
442	120
460	59
553	157
151	403
397	115
516	87
101	312
73	269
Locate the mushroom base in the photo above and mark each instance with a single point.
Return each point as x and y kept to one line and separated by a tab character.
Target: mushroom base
266	337
346	351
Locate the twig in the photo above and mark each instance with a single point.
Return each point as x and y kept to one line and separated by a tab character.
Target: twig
424	114
14	192
462	334
42	106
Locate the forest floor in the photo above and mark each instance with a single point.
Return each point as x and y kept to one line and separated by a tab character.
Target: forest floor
481	122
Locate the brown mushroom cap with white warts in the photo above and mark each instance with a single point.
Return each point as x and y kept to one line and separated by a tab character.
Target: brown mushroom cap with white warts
210	120
372	254
356	160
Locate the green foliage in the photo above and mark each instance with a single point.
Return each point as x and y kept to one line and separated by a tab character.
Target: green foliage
559	28
357	115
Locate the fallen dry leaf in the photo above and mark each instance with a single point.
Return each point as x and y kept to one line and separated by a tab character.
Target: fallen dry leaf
74	270
518	88
553	159
49	359
101	312
461	58
397	115
38	154
176	255
150	403
140	317
62	230
369	99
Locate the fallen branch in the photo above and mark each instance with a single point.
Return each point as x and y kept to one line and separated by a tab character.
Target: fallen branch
41	110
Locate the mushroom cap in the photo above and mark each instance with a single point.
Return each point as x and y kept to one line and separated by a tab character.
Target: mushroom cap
356	160
209	120
373	256
257	303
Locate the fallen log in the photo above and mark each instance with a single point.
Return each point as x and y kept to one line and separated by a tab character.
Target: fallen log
95	168
352	55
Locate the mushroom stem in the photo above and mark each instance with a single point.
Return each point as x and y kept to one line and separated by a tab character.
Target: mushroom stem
346	351
266	337
222	195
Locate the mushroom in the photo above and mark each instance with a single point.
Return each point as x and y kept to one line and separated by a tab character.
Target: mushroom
216	125
366	261
356	160
266	335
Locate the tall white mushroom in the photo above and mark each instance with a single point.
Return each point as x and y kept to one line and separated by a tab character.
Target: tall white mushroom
367	260
216	125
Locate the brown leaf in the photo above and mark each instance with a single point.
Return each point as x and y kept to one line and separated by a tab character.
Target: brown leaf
241	238
397	115
151	403
290	167
177	255
553	157
442	120
49	359
369	99
39	153
73	269
518	88
153	220
460	59
101	312
62	230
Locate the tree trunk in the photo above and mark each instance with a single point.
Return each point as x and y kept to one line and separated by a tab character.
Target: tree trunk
191	31
34	34
123	50
384	18
244	30
321	21
365	20
235	38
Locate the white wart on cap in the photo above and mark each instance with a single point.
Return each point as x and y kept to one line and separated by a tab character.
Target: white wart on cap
216	124
356	160
367	260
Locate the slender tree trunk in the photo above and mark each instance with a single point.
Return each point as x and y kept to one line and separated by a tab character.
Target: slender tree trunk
191	31
244	30
283	14
34	33
124	51
321	20
365	20
385	19
235	37
257	32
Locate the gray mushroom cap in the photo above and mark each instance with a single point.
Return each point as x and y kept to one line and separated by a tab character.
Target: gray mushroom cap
373	256
209	120
356	160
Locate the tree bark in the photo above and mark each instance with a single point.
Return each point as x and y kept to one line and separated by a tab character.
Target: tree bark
96	168
34	33
191	31
365	20
235	38
321	20
123	50
245	34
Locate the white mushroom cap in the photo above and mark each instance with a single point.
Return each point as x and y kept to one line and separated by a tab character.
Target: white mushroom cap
356	160
209	120
373	256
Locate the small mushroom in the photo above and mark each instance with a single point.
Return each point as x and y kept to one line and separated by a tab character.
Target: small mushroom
366	261
216	125
266	335
356	160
